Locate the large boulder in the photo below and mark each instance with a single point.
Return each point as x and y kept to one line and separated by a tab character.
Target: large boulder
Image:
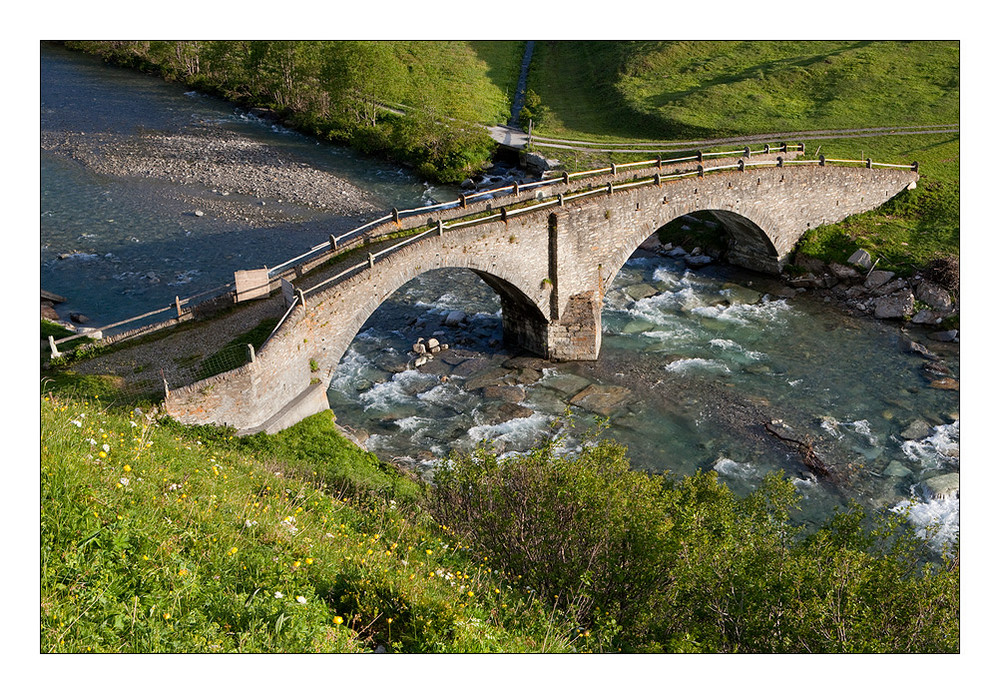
640	291
503	393
861	258
876	278
844	273
942	486
603	400
894	306
809	264
933	295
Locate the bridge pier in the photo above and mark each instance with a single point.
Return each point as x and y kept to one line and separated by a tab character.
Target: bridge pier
574	336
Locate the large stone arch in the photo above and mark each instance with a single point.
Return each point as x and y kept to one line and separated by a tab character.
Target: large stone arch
745	230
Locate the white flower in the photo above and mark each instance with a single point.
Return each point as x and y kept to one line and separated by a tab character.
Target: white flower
300	600
106	448
92	442
77	422
124	481
279	594
249	523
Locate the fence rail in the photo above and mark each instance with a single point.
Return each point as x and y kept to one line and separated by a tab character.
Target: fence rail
336	243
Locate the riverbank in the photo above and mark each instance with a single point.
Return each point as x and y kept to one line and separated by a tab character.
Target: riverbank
217	172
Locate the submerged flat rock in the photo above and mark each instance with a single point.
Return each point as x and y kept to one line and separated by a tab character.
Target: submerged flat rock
603	400
942	486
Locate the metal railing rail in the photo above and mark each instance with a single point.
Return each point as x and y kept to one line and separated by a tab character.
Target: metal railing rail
178	305
532	206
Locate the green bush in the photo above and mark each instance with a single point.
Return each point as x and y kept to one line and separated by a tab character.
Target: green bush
657	564
584	530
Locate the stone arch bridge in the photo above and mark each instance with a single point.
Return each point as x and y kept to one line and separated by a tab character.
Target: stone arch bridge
549	252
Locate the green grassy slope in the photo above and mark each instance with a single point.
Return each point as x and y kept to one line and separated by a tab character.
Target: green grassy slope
609	90
158	538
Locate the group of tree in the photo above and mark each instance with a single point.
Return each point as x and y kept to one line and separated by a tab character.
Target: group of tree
348	92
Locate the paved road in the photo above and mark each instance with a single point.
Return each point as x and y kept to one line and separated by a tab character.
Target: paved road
517	138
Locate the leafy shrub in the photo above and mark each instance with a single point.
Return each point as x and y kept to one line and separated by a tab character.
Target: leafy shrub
657	564
583	530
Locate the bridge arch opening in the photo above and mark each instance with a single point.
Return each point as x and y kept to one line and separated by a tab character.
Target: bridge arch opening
725	236
384	389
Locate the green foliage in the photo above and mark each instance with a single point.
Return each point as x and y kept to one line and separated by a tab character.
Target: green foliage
412	101
566	524
650	564
680	89
316	450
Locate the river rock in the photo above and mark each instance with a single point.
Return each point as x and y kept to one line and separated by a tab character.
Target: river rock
942	486
525	376
471	367
925	317
896	469
944	336
738	294
640	291
936	369
876	278
638	325
861	258
911	347
892	286
806	281
918	429
435	367
698	261
933	295
844	273
79	318
523	361
946	383
676	252
509	411
454	318
503	393
809	264
652	244
603	400
48	311
490	377
894	306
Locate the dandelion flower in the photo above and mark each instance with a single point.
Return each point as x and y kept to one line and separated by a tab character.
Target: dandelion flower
301	600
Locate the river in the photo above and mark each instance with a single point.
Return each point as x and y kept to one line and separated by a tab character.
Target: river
688	376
